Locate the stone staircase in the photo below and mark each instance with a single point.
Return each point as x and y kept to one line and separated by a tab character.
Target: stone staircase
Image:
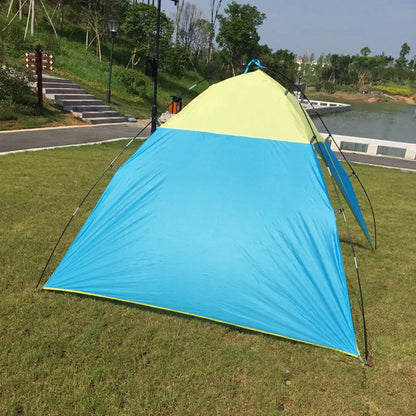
70	97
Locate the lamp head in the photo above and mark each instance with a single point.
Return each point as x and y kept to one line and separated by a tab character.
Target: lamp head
113	26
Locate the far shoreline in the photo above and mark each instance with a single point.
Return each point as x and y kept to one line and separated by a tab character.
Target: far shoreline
370	98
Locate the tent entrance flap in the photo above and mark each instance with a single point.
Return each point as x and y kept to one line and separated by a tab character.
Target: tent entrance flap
344	183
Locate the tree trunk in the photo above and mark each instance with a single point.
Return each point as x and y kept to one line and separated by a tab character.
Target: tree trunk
215	8
178	20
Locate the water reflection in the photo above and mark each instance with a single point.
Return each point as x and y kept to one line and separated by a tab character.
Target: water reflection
377	121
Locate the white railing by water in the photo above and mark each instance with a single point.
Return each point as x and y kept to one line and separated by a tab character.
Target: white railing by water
374	147
314	107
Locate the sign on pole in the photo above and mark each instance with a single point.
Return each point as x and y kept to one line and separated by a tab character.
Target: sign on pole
36	62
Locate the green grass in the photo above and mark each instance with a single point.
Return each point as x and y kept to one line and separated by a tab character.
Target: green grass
63	354
18	116
131	90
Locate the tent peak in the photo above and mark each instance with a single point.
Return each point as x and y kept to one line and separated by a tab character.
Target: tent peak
255	62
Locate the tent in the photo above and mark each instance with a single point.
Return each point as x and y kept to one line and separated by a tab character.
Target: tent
223	213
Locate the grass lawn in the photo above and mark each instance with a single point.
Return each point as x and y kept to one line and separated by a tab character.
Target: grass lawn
15	117
63	354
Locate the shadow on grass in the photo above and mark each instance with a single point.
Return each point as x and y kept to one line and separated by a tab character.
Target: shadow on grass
356	244
230	328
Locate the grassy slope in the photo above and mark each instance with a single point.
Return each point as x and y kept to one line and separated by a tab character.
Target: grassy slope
65	354
134	96
137	101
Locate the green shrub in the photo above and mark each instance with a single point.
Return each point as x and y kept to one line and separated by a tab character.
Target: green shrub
177	61
329	87
405	92
7	114
12	39
133	80
349	89
14	86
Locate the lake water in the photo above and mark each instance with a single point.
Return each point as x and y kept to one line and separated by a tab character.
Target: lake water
376	121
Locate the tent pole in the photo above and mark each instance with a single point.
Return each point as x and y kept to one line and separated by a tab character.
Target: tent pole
356	270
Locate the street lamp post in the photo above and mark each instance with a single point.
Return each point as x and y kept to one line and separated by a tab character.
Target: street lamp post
113	26
156	63
154	106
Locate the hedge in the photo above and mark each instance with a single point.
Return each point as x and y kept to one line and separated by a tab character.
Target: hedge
393	91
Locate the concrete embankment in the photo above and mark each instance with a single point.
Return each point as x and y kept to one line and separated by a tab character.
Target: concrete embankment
400	155
365	150
315	107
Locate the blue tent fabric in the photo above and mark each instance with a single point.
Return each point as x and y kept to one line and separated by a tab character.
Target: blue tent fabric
343	181
235	229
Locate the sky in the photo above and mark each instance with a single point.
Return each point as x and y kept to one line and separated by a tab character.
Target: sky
330	26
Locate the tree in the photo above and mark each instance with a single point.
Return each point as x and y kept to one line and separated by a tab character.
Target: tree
405	50
200	40
192	31
340	65
380	66
192	35
401	62
31	18
179	9
215	6
281	62
360	68
186	25
321	59
339	72
238	33
94	14
365	51
140	28
412	63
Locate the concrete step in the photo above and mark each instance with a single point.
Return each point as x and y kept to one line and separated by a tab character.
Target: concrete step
70	97
96	114
68	105
102	120
66	90
61	92
64	97
86	108
54	84
56	79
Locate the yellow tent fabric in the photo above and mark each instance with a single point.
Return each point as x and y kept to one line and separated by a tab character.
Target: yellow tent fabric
280	117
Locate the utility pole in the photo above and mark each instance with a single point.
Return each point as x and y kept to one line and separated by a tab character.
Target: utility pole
156	67
154	107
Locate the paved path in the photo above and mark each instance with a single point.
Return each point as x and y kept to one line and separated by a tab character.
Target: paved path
33	139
